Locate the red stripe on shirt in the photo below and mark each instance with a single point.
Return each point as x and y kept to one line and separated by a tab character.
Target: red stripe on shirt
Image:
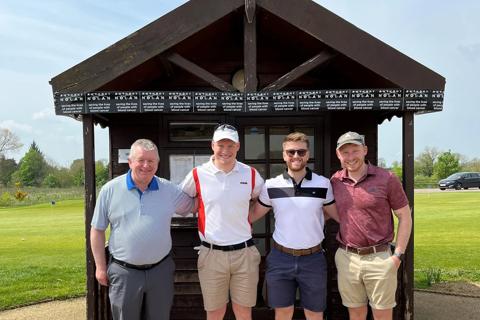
201	206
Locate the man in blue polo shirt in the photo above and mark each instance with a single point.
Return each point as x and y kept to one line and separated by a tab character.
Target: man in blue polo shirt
299	199
138	206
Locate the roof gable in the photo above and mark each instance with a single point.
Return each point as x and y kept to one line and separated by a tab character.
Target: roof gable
357	53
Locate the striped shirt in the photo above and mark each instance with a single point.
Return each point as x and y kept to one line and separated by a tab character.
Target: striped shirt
298	208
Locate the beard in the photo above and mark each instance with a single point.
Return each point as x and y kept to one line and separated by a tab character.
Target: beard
296	168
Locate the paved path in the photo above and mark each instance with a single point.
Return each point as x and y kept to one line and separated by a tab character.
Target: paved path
428	306
434	306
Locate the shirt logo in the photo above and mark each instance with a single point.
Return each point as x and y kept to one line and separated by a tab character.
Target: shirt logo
243	182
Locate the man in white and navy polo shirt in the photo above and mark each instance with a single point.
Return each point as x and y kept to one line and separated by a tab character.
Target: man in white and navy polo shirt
299	199
228	260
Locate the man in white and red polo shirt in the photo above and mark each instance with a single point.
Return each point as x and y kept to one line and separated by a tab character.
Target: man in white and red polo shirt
366	196
228	260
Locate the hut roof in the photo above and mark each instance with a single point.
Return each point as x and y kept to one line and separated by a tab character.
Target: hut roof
206	38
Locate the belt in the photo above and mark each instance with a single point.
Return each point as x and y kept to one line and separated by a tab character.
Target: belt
298	252
231	247
139	267
366	250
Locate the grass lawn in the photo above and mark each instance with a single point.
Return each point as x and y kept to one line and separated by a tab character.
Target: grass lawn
41	253
447	236
42	246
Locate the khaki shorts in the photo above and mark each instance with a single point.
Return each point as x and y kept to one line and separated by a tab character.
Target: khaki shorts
228	272
371	277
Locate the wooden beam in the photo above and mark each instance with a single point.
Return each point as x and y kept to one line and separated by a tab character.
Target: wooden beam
142	45
347	39
299	71
200	72
250	10
93	306
408	173
250	47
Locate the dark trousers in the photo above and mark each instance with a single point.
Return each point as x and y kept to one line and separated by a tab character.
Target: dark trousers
141	294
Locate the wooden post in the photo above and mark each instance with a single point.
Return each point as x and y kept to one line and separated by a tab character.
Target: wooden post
250	47
408	185
90	196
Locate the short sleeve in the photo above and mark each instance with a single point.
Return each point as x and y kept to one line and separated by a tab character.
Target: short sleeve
264	199
396	196
100	214
330	198
188	185
182	201
259	183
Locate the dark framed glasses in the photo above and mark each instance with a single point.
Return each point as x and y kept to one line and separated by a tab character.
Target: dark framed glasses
223	126
300	152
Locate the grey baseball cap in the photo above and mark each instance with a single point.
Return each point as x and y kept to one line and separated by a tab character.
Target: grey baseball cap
350	137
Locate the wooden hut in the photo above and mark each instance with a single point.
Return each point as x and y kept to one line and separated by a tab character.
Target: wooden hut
267	66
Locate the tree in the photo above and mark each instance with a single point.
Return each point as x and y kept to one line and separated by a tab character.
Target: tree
425	160
397	169
382	163
8	141
472	165
77	171
58	178
7	168
447	164
101	172
32	168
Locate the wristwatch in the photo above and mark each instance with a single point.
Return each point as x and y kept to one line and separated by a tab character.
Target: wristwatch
399	255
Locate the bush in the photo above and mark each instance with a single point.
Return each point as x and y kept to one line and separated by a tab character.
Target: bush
6	199
51	181
433	275
422	182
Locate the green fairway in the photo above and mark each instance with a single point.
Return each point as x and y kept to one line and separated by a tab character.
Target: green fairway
447	235
42	246
41	253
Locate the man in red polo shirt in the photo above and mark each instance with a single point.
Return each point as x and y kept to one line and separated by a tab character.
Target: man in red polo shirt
365	196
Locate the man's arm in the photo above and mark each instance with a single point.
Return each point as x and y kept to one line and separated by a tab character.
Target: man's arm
331	211
97	242
257	212
403	230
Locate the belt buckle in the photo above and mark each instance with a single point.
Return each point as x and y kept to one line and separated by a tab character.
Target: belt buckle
296	252
230	247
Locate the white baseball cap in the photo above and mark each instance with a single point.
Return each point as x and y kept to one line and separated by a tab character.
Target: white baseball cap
225	131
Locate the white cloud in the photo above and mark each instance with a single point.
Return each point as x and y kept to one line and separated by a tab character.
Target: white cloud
13	125
470	52
43	114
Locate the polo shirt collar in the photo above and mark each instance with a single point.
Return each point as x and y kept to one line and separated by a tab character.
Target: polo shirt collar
370	172
153	185
308	175
214	168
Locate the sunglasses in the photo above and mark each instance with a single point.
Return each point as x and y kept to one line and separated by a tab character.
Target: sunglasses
300	152
225	126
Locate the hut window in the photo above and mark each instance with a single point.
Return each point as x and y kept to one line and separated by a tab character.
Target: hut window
255	142
191	131
277	134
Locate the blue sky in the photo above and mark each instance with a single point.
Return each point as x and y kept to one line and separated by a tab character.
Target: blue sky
41	39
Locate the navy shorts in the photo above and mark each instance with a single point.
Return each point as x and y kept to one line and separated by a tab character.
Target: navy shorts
285	273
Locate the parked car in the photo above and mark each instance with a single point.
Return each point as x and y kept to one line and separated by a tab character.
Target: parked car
460	180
